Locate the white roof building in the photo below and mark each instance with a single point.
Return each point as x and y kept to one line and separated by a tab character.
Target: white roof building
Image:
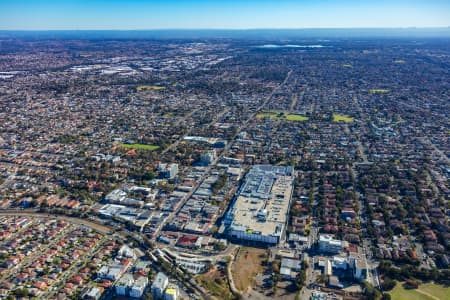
259	214
330	245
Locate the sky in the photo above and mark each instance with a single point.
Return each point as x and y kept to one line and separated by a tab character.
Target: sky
215	14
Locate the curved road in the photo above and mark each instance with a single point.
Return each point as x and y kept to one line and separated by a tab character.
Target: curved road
98	227
26	213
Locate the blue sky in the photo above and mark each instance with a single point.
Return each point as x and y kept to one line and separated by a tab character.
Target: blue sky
215	14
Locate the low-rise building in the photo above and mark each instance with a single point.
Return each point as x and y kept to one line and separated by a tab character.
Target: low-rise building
93	293
259	213
292	264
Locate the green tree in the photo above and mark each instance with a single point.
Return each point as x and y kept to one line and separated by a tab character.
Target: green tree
386	296
21	292
370	292
388	284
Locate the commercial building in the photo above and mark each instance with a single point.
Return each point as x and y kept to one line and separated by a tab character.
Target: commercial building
126	252
292	264
168	171
128	286
124	284
358	265
340	262
329	245
289	268
171	293
208	157
111	272
259	212
138	287
93	293
159	285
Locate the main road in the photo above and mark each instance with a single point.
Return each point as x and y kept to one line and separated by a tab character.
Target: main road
108	230
36	214
227	148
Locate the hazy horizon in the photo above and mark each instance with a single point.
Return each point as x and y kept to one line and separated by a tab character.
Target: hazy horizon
261	34
221	15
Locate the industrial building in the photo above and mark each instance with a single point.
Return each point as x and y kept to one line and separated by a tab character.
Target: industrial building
260	210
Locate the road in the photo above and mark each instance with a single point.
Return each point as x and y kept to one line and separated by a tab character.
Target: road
358	145
224	153
17	233
187	283
100	228
426	141
29	259
107	230
6	183
73	269
230	275
371	277
310	274
293	102
30	213
189	132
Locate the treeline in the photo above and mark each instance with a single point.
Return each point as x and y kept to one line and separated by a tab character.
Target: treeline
410	272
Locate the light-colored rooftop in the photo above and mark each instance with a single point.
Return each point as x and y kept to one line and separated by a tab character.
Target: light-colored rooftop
263	202
171	291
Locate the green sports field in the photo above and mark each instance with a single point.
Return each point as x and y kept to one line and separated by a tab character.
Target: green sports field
342	118
150	88
279	114
140	147
296	118
379	91
428	291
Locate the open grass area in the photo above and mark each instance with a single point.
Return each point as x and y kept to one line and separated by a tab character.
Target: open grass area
428	291
379	91
216	283
248	263
296	118
150	88
436	290
270	115
140	147
342	118
278	115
